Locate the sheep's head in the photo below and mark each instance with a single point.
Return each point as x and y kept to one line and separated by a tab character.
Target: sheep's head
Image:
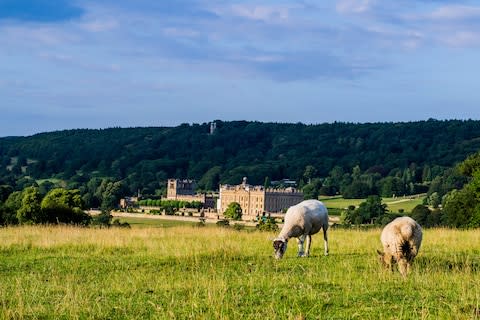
280	246
385	260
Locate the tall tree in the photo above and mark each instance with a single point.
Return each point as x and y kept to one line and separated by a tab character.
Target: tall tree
462	207
368	211
312	189
266	183
310	173
30	210
234	211
61	205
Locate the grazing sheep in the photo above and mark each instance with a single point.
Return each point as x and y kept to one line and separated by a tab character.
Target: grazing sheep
401	241
301	221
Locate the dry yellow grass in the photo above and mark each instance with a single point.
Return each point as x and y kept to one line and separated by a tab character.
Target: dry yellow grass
215	273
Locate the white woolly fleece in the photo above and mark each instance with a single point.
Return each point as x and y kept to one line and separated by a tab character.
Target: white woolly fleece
303	220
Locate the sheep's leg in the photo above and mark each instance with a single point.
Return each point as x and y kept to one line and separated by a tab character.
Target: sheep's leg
403	267
325	240
388	261
308	244
301	240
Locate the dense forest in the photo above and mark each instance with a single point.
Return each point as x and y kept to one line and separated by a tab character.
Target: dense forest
355	160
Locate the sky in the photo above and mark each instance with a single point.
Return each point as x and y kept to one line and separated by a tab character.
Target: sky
127	63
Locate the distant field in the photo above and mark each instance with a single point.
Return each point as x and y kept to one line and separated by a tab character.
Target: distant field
215	273
394	204
146	222
406	204
138	222
340	203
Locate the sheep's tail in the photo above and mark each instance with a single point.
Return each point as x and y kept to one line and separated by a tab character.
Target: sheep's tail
408	244
408	250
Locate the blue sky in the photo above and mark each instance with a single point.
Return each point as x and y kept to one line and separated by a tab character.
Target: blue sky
96	64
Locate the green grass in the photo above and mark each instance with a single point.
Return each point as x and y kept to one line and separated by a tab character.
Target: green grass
393	204
407	204
340	203
149	222
215	273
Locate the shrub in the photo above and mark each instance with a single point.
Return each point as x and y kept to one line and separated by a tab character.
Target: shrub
387	218
223	223
269	224
420	214
234	211
460	208
238	226
103	219
117	223
201	222
367	212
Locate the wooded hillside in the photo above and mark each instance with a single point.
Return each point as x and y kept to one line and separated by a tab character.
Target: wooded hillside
143	158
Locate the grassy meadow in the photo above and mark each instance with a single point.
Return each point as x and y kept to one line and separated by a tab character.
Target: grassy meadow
337	203
185	272
149	222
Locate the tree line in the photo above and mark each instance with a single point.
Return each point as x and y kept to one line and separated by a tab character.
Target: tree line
355	160
347	158
453	201
30	207
448	204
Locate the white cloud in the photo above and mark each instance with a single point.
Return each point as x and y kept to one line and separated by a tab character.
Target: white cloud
266	58
354	6
265	13
462	39
100	25
455	12
79	62
36	34
256	58
448	25
56	57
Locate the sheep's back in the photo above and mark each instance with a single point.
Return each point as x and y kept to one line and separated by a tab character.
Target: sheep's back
399	231
310	214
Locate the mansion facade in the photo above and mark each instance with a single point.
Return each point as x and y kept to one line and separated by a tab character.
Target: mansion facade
256	200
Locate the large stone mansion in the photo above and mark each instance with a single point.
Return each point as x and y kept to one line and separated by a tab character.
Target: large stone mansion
256	200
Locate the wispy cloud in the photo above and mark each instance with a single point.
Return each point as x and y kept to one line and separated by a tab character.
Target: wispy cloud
455	12
279	41
180	32
35	35
100	25
79	62
461	39
151	53
354	6
265	13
